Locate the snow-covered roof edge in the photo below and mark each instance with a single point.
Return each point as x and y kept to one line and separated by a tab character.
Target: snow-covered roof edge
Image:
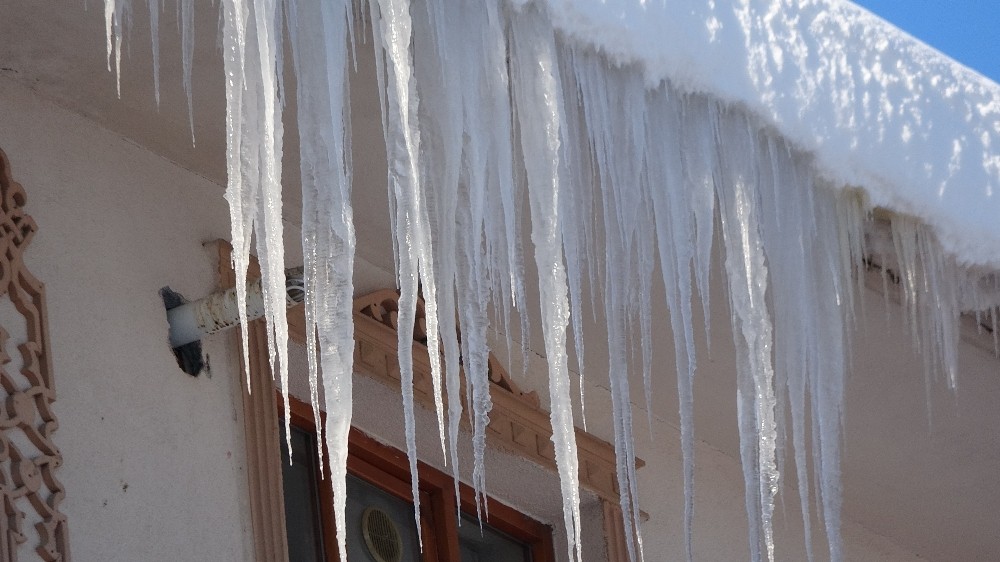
875	107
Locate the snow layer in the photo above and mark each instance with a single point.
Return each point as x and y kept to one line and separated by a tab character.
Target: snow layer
877	108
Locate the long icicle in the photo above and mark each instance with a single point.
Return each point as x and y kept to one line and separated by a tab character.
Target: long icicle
413	238
318	34
537	95
752	331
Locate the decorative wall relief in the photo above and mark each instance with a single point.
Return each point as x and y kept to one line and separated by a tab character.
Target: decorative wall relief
32	527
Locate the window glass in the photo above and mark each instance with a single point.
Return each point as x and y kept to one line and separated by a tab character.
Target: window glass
486	544
388	521
378	522
302	510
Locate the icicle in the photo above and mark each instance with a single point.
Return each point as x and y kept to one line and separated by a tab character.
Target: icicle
699	154
488	165
536	96
253	154
238	195
575	208
440	165
187	56
672	195
614	114
930	291
318	34
747	273
413	238
115	15
270	246
154	33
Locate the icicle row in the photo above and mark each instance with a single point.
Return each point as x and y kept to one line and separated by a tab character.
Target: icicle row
618	173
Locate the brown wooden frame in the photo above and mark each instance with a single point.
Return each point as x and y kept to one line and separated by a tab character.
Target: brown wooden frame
388	468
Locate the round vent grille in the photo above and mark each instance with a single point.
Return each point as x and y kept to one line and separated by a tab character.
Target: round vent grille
381	536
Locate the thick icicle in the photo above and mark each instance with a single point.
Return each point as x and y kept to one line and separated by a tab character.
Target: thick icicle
537	98
318	34
752	331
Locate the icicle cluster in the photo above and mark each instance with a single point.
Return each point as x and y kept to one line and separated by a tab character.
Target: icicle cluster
484	105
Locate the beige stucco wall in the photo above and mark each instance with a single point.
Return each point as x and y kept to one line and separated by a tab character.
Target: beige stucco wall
154	462
153	458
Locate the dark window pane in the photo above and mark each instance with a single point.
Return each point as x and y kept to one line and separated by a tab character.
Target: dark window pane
387	511
487	544
302	512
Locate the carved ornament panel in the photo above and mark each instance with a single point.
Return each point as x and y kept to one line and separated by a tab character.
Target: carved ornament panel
32	527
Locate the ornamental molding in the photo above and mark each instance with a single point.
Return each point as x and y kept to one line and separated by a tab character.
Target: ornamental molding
518	423
30	493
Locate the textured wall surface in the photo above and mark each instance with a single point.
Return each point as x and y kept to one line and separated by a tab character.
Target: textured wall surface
153	458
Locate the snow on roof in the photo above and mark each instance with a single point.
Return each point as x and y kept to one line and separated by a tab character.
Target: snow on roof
877	109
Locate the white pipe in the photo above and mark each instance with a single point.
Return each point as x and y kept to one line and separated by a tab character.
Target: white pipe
218	312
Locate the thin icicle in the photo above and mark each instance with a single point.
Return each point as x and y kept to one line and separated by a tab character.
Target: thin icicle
187	57
576	225
116	14
253	154
698	151
931	293
237	194
154	32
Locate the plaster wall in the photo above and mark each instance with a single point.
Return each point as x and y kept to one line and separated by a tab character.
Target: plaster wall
153	458
720	524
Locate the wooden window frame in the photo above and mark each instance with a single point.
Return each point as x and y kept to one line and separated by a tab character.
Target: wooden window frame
388	469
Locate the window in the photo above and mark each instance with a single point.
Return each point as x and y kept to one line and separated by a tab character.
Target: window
380	509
